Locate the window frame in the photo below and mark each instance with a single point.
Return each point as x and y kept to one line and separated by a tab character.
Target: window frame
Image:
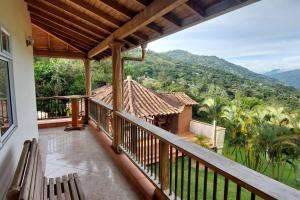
2	29
7	57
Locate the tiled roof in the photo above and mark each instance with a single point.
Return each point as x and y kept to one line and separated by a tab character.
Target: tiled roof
138	100
177	99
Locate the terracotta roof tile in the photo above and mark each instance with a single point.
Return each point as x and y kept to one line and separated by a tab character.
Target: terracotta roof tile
138	100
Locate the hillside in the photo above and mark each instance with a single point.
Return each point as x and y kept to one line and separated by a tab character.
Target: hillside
216	63
291	78
200	76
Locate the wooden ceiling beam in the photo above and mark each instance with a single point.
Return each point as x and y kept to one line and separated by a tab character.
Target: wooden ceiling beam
62	29
171	17
196	8
149	14
64	7
115	23
71	26
59	13
62	39
58	22
108	18
61	36
129	13
58	54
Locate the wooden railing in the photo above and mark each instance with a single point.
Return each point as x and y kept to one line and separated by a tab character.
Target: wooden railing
57	107
101	114
183	170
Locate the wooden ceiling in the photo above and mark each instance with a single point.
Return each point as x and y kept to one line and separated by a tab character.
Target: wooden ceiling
85	28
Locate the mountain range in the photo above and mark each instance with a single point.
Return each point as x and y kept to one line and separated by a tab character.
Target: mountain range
200	76
291	77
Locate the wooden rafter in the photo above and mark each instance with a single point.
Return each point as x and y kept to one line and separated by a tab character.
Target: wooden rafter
171	17
66	28
111	20
45	8
196	8
58	54
60	36
52	27
129	14
71	26
108	18
148	15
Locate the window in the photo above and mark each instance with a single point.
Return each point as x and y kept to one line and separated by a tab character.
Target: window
7	106
5	41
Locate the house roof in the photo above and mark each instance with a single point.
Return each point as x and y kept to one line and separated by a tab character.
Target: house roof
85	28
143	102
178	99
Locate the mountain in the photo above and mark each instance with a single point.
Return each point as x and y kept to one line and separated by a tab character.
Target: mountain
200	76
291	78
216	63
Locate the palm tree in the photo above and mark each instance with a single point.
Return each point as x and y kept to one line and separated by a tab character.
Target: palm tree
214	109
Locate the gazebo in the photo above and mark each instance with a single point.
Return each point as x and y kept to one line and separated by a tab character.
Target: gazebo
170	111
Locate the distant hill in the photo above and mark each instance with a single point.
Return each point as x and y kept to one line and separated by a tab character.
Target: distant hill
200	76
291	78
216	63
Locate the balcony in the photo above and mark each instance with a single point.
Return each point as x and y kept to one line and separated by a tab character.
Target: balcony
155	162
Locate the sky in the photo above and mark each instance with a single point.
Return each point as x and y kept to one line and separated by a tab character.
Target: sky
261	37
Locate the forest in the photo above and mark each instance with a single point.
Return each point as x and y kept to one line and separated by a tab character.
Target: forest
261	116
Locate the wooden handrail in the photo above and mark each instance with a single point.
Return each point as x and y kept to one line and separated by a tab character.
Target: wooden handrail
103	104
249	179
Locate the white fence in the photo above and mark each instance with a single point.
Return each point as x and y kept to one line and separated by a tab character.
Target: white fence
207	130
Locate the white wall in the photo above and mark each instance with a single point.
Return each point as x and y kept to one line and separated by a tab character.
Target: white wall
15	18
207	130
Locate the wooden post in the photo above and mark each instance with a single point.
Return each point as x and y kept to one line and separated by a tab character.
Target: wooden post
164	165
88	83
117	88
163	172
88	76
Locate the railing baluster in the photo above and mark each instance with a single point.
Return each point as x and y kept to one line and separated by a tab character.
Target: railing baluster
215	186
176	172
189	179
252	196
196	180
182	176
238	192
155	158
205	183
171	169
151	155
148	152
225	189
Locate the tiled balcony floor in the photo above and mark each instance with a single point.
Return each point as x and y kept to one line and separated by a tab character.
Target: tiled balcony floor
81	152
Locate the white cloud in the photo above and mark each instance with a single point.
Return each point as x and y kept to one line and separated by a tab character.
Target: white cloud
262	36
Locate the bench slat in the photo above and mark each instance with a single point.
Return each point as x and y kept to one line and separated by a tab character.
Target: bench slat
58	188
14	190
39	179
73	187
51	189
66	187
33	188
45	189
79	187
24	193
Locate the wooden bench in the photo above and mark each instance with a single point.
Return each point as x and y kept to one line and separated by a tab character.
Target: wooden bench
29	182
